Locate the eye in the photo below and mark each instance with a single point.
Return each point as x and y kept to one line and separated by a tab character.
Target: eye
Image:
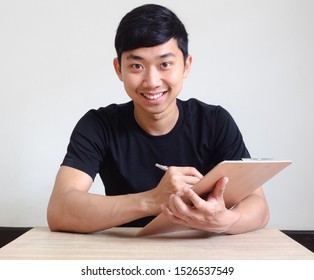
136	66
166	65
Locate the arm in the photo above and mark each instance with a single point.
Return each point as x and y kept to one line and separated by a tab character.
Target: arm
211	214
72	208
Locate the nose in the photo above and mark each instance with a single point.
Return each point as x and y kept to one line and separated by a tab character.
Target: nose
152	78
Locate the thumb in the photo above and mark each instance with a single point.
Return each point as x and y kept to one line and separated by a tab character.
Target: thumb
220	188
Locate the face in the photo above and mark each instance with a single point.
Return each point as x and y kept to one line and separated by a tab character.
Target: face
153	77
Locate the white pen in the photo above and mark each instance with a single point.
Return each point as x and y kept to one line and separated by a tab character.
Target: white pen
162	167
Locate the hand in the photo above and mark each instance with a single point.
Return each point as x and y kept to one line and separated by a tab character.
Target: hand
208	214
175	179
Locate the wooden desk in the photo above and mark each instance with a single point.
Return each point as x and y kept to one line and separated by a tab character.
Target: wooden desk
121	244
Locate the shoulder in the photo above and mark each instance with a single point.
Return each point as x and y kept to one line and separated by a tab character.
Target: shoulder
99	124
106	115
197	109
109	111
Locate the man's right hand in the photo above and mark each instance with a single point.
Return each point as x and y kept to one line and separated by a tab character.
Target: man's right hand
175	179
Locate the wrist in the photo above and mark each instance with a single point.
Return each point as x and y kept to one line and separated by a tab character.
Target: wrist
233	219
148	203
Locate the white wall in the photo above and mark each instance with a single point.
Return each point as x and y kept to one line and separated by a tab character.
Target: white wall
256	58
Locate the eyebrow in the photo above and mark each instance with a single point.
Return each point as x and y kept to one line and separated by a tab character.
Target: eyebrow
137	57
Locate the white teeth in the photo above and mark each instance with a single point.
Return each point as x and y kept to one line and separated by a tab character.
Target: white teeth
152	97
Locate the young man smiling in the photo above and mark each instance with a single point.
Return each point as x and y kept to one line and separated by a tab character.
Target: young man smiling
123	142
153	79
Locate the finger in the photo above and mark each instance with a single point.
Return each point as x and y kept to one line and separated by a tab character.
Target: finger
191	180
194	172
190	214
220	188
196	200
178	206
186	170
169	214
166	210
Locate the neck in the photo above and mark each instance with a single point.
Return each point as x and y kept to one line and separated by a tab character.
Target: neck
157	124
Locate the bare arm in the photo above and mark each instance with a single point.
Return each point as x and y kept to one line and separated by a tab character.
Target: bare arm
211	214
253	213
72	208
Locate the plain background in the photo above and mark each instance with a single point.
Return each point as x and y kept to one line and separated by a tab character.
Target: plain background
255	58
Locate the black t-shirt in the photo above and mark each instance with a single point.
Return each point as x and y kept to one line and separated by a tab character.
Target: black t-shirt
109	141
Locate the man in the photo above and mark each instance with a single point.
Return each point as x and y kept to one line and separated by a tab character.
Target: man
123	142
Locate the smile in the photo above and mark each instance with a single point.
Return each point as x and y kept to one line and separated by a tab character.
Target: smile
153	96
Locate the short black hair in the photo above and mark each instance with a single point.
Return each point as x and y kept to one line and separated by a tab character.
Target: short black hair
148	26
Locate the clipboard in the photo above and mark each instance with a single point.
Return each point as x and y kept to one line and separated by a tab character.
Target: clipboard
244	176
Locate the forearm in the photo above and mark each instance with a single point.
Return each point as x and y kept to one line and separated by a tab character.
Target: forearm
77	211
73	208
251	214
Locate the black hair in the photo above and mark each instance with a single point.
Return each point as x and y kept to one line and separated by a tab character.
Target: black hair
148	26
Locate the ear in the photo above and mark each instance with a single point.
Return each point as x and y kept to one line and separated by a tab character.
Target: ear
187	66
117	68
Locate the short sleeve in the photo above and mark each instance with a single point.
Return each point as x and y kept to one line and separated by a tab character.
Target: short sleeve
86	149
229	144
